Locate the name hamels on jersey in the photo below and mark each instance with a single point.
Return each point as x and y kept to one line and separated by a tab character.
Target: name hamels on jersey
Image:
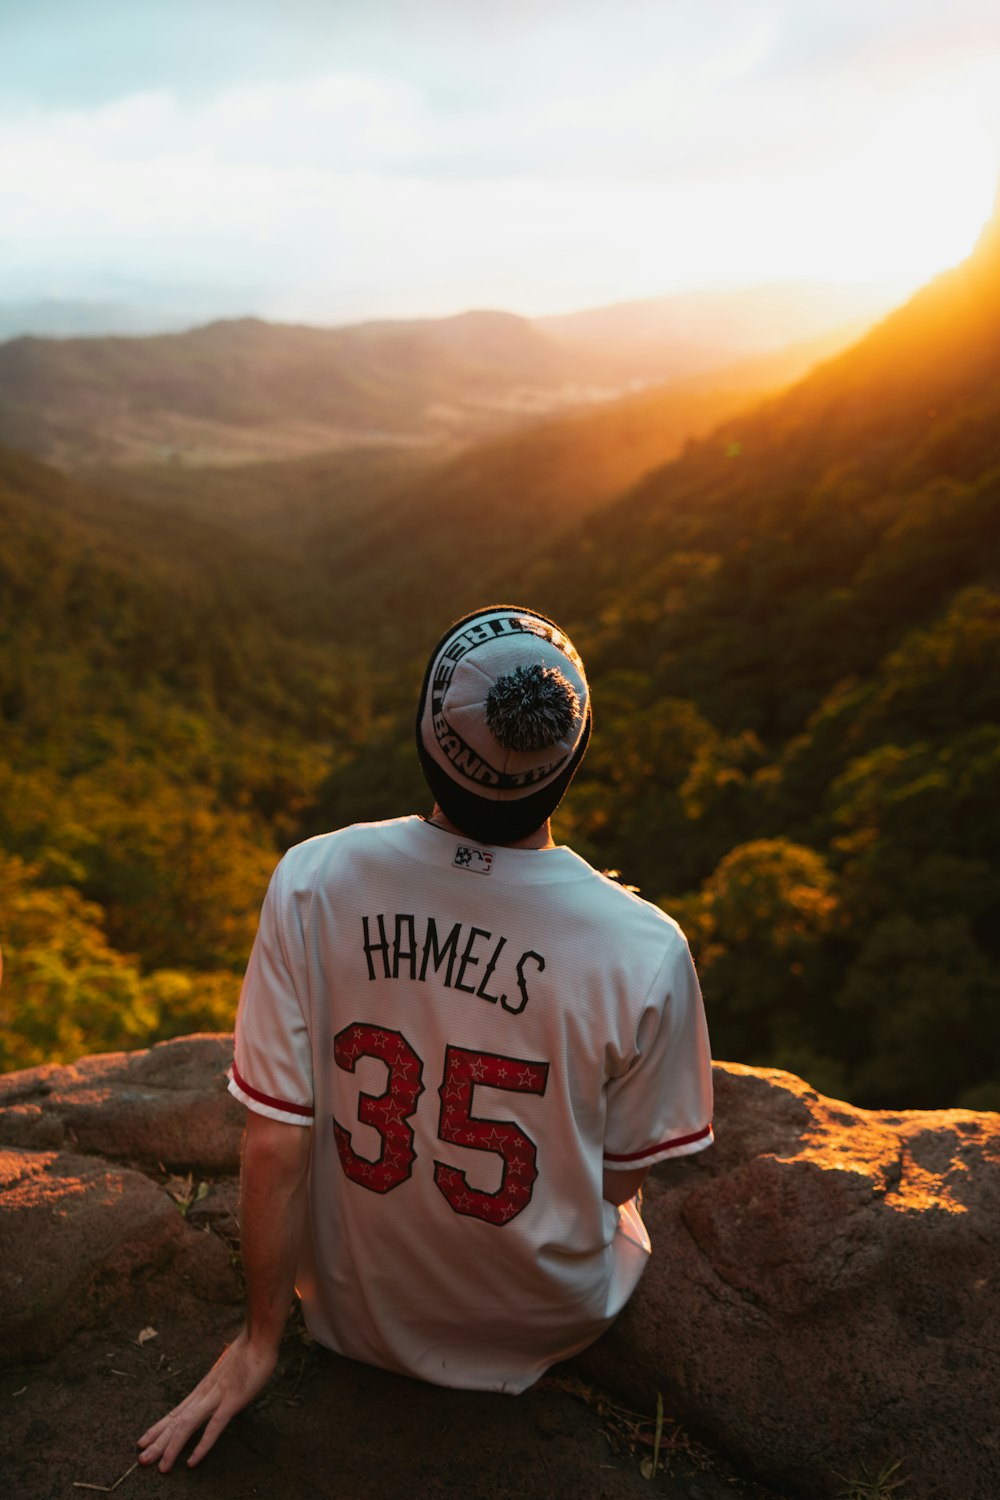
453	954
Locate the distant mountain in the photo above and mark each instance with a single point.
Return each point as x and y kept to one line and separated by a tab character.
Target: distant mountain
246	390
699	331
916	400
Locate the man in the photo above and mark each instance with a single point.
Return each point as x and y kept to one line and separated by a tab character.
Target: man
461	1049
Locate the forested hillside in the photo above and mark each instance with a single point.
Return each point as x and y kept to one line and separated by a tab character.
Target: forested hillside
812	627
792	631
163	725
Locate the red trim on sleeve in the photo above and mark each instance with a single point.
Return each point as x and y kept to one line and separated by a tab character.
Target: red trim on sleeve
292	1109
680	1140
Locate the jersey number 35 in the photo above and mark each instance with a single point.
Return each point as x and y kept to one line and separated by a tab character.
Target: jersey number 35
390	1112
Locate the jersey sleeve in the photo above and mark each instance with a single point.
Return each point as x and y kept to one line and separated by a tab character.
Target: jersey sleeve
272	1061
660	1106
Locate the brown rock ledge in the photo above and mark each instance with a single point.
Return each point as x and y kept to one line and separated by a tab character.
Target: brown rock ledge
824	1293
822	1299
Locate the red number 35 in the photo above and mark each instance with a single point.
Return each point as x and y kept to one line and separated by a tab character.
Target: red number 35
390	1112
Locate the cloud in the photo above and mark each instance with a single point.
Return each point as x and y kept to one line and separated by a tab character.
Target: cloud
555	158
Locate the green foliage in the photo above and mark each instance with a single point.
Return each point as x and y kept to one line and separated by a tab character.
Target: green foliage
152	763
67	983
793	638
66	990
920	989
763	929
630	794
941	674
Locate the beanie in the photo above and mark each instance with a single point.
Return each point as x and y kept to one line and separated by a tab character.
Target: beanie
503	721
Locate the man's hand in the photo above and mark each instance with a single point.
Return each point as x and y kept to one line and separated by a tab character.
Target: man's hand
272	1210
237	1376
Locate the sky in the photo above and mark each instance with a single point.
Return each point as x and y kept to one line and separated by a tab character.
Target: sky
328	161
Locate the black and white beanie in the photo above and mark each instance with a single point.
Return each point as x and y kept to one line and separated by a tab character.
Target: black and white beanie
503	721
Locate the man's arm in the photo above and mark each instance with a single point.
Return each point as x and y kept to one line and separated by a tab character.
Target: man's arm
619	1187
273	1191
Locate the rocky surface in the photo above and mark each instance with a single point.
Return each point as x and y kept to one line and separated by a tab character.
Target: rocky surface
75	1233
168	1107
824	1294
822	1300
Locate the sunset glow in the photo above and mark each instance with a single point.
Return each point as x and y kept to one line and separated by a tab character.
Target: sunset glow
424	160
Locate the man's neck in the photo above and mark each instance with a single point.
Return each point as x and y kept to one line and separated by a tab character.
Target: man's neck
541	838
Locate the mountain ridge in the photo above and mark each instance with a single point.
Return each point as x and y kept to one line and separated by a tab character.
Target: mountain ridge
237	389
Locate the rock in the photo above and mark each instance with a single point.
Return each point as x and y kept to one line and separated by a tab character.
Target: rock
823	1296
77	1231
824	1291
77	1235
165	1106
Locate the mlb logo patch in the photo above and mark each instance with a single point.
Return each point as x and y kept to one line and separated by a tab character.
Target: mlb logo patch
480	861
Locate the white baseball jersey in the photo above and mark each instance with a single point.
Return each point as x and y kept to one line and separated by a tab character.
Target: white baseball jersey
475	1034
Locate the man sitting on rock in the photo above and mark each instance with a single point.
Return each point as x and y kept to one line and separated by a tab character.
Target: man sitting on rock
461	1049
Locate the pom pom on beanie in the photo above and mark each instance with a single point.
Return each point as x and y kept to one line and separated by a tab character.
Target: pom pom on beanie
531	708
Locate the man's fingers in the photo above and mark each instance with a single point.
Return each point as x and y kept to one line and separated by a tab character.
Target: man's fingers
155	1440
173	1448
152	1433
178	1436
167	1437
165	1449
208	1437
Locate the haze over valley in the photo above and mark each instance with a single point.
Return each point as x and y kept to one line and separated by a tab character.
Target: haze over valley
782	574
247	390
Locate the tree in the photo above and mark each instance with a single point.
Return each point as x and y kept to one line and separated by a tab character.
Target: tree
66	991
763	929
